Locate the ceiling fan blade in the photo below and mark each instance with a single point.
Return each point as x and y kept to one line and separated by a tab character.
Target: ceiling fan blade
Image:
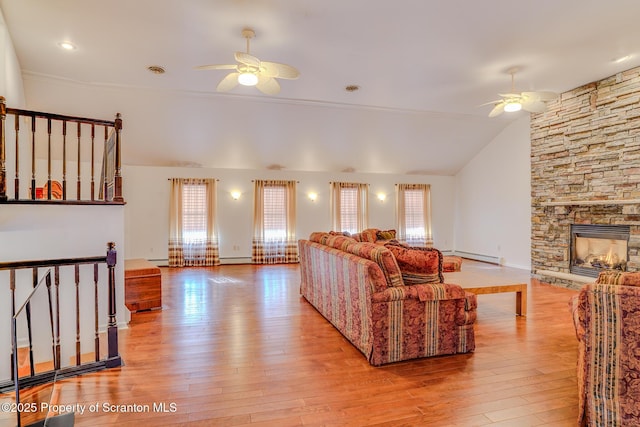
534	106
246	59
228	83
491	102
497	110
217	67
540	96
267	85
281	71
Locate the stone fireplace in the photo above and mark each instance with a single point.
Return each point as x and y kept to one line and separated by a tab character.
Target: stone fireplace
585	179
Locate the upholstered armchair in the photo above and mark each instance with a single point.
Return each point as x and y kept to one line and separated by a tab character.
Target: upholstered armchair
606	315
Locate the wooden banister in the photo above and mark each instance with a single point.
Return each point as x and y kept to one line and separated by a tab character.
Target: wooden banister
3	169
112	358
110	173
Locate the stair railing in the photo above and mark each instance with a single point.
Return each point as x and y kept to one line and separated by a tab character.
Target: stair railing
60	141
52	283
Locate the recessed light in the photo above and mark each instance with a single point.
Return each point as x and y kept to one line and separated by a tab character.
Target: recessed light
155	69
66	45
621	59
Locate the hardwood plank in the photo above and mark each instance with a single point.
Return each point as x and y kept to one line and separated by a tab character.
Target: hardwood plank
237	345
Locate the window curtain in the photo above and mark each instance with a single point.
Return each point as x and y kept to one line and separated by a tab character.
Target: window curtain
274	222
413	213
352	215
193	237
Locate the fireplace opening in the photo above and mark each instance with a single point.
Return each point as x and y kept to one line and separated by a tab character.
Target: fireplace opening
598	247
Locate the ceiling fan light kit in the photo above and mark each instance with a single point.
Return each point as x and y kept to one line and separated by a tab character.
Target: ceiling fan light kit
247	79
250	71
512	106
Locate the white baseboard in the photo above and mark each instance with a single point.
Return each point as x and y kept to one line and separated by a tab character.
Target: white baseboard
479	257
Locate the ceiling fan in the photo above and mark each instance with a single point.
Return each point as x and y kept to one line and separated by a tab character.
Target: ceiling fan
250	71
534	102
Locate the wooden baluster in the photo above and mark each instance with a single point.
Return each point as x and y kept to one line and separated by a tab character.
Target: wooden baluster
97	333
77	269
12	287
53	335
3	170
93	135
29	333
14	362
117	180
49	158
79	186
33	157
57	284
64	160
112	326
105	174
17	178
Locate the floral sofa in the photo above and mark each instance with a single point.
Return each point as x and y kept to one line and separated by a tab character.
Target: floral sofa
606	316
387	299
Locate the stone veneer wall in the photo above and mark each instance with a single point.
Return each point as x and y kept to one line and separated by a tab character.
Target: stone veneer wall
585	148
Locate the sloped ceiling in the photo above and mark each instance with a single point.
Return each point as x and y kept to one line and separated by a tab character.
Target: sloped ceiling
423	68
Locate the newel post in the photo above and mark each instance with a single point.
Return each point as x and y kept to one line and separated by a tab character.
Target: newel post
3	169
117	179
112	325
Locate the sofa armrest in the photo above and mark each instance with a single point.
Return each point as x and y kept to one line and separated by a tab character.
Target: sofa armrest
614	277
422	292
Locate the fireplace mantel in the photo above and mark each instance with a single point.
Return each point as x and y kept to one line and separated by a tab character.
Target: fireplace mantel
592	202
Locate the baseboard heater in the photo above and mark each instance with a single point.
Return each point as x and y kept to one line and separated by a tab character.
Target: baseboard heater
223	261
479	257
235	260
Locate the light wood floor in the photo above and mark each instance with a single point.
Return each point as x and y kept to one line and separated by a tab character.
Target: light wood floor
237	345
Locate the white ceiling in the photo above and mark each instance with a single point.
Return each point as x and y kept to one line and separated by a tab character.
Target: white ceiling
424	66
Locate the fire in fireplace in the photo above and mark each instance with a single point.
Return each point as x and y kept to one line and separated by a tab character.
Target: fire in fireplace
598	247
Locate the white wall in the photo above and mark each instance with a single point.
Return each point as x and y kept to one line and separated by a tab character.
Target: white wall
493	204
11	86
147	188
48	232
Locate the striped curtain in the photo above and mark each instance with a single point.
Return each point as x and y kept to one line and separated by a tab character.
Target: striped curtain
349	206
413	214
274	222
193	237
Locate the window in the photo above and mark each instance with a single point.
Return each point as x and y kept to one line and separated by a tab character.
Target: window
194	213
275	214
414	214
274	224
349	206
192	232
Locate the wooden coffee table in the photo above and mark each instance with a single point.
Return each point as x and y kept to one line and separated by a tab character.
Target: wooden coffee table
481	283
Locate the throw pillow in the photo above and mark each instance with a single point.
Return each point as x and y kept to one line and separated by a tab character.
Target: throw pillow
370	235
418	265
386	234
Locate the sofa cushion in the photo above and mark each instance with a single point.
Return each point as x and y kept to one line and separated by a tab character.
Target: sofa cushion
339	241
381	256
318	236
418	265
